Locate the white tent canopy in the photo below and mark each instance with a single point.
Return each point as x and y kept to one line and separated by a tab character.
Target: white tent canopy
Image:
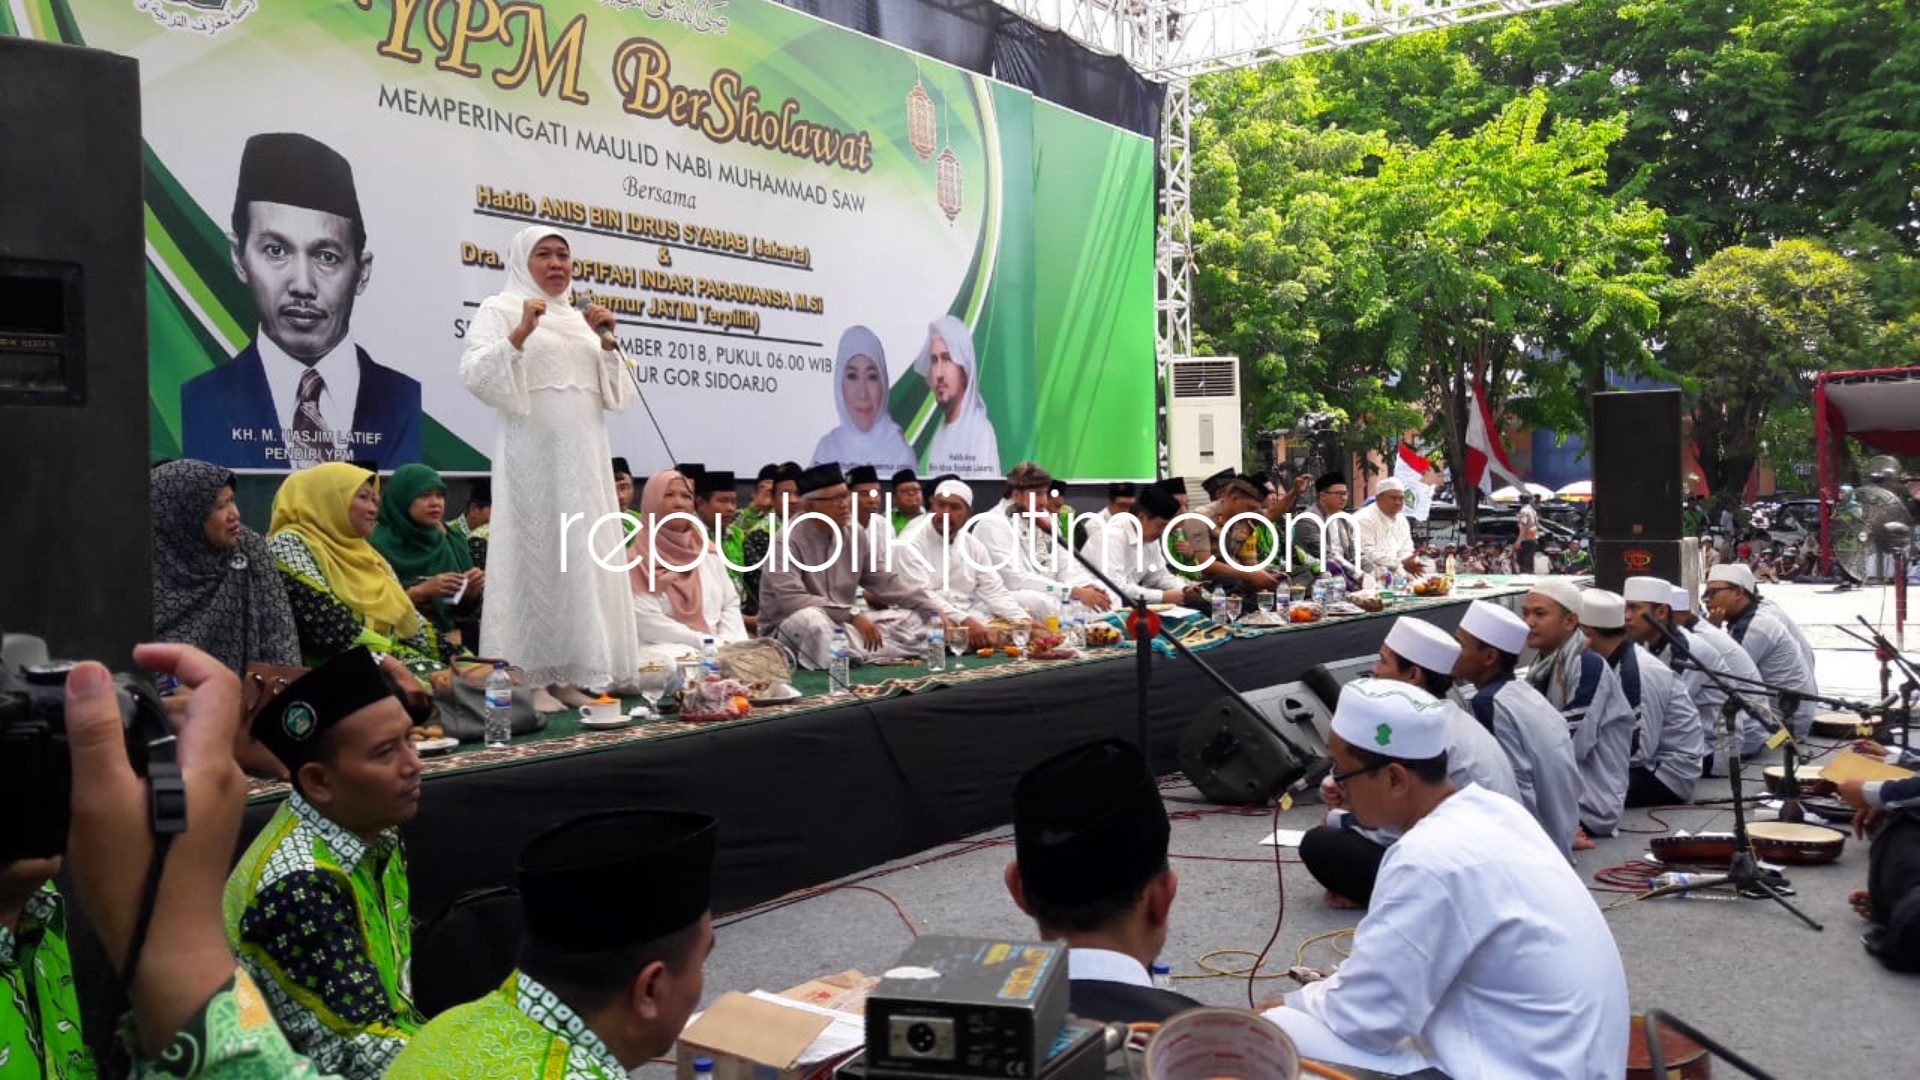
1512	494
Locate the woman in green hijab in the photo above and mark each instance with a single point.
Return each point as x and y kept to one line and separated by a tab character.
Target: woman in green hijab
431	562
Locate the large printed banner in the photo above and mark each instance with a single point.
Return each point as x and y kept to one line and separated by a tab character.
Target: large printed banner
818	246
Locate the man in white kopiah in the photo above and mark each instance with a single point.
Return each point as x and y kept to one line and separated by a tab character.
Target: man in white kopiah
944	558
1528	728
1764	630
1130	553
1383	539
1669	744
1587	692
1483	954
1343	854
1019	535
1704	645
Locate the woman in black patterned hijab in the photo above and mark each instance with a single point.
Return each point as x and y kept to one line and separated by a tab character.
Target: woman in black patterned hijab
214	584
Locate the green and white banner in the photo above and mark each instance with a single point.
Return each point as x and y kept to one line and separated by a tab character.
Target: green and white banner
758	195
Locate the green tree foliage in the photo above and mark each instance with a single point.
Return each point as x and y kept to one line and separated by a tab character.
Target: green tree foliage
1374	277
1747	330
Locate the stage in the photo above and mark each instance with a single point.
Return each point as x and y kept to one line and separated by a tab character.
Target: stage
809	793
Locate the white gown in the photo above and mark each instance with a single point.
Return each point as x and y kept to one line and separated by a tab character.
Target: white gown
1482	953
550	607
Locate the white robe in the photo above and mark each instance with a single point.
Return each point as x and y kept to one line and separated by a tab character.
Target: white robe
719	602
1138	567
1481	953
1769	638
1534	735
1670	742
1382	543
550	607
1587	692
1027	554
957	573
1716	649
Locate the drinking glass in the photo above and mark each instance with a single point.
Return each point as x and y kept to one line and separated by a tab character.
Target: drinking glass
957	641
653	680
1022	632
1233	609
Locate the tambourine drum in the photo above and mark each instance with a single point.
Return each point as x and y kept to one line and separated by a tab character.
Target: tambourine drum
1797	844
1843	726
1807	776
1780	842
1686	1059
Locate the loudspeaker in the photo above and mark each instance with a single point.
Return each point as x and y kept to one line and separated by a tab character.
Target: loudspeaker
75	561
1614	561
1233	756
1327	679
1637	468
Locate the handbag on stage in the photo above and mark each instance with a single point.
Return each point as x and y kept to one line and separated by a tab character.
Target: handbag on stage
460	699
757	662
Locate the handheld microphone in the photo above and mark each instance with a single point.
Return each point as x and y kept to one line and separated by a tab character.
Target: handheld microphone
580	304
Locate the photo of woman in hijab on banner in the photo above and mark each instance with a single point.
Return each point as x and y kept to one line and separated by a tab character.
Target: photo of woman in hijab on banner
867	435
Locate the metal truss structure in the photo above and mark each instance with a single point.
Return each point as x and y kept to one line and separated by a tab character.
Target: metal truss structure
1176	41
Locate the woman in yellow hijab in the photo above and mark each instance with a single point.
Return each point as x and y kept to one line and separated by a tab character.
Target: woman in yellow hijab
342	590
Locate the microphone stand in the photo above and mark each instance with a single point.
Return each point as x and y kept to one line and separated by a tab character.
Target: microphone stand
1908	690
1146	626
1789	699
1743	869
633	373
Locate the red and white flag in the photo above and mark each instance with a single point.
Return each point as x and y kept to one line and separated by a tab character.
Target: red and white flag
1421	478
1485	456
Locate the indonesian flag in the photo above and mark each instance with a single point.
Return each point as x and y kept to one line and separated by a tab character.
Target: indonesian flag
1485	456
1421	478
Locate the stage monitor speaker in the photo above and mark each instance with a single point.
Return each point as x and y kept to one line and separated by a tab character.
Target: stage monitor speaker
1637	467
1233	756
1327	679
73	353
1614	561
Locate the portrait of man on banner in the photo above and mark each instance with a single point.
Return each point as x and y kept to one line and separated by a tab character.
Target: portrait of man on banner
303	391
964	442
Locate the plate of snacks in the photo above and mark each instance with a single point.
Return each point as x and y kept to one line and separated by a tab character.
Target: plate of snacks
1103	634
429	747
1433	585
1305	612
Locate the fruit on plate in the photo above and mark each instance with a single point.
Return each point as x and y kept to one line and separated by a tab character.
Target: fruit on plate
1433	585
1103	634
1304	613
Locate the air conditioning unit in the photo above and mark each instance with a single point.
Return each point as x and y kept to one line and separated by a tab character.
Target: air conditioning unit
1203	415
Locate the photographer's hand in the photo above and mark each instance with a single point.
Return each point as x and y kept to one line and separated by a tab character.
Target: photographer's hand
186	958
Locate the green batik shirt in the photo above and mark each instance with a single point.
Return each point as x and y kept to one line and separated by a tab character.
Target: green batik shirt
232	1037
40	1018
522	1031
320	919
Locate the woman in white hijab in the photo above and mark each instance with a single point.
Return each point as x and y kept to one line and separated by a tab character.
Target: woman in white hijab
566	619
867	435
965	444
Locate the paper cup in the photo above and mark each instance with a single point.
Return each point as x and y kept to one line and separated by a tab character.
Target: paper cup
1221	1044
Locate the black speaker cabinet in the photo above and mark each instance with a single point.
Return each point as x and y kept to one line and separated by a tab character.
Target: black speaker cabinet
1327	679
1614	561
1637	482
1232	756
76	552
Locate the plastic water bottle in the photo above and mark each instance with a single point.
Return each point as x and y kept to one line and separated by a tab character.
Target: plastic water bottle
1162	977
936	644
709	696
1219	606
499	725
1672	877
703	1068
1453	566
1076	624
840	665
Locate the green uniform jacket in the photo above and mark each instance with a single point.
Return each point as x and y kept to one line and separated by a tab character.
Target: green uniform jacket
320	919
40	1017
522	1030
